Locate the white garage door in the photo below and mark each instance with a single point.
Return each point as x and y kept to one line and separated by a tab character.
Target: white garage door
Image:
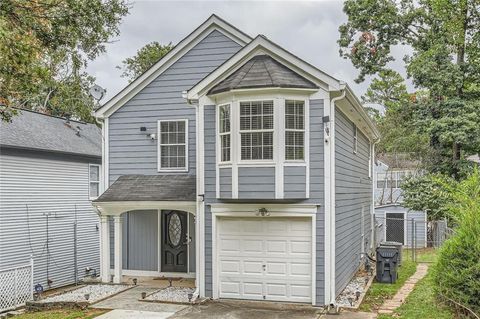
265	258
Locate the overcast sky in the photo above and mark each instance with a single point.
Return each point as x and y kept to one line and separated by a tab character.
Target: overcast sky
307	29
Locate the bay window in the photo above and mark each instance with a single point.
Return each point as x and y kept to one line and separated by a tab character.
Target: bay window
294	130
256	130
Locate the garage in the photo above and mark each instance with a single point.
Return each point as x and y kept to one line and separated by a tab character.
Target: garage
264	258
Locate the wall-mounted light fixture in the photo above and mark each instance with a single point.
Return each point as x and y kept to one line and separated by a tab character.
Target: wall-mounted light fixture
152	136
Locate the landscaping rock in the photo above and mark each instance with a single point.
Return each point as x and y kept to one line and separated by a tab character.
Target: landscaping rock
172	294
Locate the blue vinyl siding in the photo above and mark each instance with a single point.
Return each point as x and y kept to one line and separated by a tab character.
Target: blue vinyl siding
353	197
130	150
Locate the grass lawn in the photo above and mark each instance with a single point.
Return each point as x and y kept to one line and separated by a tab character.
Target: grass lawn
379	292
423	255
62	314
421	303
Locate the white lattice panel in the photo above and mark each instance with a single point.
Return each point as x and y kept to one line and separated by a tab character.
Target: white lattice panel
15	287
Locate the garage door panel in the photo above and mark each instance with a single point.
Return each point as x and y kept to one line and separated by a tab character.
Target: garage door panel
268	261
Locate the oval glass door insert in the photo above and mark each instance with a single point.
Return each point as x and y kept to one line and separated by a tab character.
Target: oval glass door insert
175	230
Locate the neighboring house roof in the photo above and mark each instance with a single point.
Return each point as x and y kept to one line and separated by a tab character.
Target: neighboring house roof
37	131
211	24
179	187
262	71
398	161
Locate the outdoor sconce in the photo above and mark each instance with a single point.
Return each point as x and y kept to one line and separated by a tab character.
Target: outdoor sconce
263	212
152	136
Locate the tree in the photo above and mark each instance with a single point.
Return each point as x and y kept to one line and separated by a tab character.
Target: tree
445	62
44	49
147	56
397	128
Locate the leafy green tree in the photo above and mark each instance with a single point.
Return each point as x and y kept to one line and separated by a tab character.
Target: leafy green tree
398	130
445	62
430	193
145	57
44	49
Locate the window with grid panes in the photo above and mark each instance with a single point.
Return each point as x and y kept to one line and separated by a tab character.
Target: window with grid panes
173	145
294	130
224	131
256	130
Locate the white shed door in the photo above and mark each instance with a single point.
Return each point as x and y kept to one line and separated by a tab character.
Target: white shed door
265	258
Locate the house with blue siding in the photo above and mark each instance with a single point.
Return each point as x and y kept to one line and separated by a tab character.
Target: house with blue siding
50	171
236	163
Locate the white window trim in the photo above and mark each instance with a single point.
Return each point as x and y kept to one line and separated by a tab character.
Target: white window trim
159	149
97	182
220	134
255	162
304	131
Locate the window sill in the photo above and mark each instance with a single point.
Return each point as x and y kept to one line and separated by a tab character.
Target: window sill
180	170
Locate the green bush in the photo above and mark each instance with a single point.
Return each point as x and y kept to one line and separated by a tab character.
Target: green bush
457	272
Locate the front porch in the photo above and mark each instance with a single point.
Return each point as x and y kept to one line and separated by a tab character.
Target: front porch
148	233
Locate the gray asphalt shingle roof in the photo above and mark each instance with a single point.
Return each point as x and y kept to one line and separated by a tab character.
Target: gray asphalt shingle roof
151	188
36	131
262	71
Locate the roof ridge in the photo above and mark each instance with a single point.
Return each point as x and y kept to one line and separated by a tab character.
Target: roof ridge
268	72
53	116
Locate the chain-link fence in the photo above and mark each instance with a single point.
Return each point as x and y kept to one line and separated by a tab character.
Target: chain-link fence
418	236
16	286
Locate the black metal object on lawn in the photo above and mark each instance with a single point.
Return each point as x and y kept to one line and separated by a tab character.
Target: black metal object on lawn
387	264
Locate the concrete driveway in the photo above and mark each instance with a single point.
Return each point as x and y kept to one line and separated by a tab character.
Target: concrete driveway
249	310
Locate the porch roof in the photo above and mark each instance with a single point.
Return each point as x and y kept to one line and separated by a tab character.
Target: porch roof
172	187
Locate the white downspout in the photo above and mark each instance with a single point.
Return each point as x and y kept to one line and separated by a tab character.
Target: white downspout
330	201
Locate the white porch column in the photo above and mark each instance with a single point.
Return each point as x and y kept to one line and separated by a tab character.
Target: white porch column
104	249
117	220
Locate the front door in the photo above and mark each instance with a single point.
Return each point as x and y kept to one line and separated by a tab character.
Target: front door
174	241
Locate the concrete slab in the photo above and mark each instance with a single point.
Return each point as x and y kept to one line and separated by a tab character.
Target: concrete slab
134	314
129	300
351	315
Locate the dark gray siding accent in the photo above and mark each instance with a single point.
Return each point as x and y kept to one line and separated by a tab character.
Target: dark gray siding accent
353	196
140	240
316	191
225	182
294	181
130	151
56	185
256	182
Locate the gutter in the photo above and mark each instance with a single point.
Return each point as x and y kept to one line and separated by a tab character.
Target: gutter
330	199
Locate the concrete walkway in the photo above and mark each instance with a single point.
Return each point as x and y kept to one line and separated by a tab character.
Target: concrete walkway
391	304
129	300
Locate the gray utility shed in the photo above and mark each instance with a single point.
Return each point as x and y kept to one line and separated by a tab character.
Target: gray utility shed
394	223
49	168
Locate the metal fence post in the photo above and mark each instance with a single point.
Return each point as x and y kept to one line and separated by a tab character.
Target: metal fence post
413	238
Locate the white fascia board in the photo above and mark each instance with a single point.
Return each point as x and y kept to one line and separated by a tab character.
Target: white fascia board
357	104
261	45
120	207
211	24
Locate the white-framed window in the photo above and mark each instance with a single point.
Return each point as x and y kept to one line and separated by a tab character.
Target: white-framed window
256	130
224	131
355	139
94	181
173	145
294	130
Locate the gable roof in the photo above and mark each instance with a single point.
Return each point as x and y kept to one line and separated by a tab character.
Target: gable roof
41	132
263	46
211	24
262	71
179	187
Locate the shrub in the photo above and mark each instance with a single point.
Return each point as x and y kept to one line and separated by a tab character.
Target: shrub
457	271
